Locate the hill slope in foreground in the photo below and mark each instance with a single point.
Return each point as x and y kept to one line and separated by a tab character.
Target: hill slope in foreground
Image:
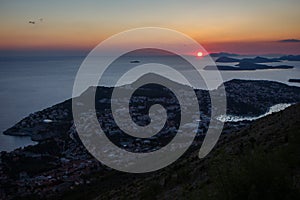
262	161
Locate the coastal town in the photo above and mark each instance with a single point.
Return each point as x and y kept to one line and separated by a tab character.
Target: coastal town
59	163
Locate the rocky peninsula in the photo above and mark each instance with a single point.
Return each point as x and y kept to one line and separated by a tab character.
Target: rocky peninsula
60	166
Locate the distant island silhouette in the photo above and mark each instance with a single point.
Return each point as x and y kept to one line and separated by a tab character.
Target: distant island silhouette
220	54
251	63
294	80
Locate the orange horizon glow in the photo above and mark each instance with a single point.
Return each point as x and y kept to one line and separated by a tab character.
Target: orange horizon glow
81	39
240	47
232	26
35	39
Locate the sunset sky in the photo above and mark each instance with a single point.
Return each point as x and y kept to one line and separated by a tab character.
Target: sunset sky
247	27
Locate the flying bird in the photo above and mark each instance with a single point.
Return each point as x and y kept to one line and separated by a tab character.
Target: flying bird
40	20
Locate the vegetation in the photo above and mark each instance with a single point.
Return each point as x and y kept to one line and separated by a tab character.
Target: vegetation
256	174
260	162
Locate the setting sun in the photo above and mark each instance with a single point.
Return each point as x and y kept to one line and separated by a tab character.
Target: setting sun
199	54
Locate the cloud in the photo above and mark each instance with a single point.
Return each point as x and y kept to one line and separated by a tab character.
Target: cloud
289	40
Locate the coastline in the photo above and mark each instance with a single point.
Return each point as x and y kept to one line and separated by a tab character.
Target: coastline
43	124
274	109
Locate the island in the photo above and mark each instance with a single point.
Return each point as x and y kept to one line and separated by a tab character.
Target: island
258	59
294	80
224	59
223	54
290	58
135	61
246	66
